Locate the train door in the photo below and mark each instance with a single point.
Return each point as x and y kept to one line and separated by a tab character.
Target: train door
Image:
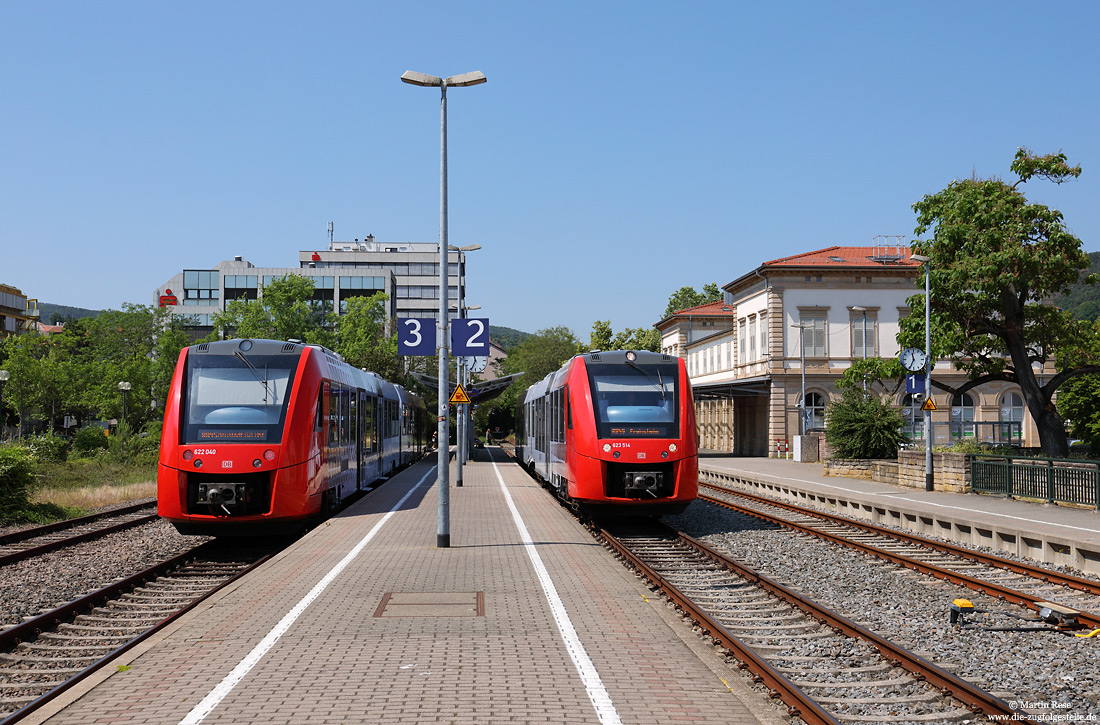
354	454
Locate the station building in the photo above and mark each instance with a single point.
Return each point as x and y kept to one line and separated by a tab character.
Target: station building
764	361
18	313
407	272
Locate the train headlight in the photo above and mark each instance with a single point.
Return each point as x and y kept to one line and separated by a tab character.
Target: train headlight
616	454
269	455
257	463
606	447
188	455
664	454
198	463
671	447
631	356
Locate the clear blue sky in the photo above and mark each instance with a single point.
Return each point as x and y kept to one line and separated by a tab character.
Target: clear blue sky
619	151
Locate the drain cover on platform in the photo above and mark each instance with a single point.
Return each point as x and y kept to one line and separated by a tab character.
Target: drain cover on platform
431	604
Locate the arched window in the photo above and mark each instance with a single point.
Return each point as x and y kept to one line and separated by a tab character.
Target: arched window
913	416
815	412
962	417
1012	416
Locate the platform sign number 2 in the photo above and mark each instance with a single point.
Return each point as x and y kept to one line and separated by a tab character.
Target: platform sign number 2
470	337
416	336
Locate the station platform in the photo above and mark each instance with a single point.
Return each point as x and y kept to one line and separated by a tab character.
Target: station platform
1059	534
523	619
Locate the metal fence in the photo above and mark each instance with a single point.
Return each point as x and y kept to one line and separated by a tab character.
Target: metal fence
1047	479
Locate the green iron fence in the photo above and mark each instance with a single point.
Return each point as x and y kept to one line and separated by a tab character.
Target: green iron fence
1050	479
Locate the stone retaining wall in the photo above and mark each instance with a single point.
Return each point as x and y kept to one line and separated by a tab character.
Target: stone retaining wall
951	471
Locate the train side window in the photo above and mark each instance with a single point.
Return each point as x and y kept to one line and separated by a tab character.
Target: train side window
568	410
334	417
319	423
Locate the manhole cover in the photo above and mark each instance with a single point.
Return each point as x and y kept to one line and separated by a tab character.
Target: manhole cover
431	604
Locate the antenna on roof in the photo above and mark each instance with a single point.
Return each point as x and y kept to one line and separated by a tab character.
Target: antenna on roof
330	232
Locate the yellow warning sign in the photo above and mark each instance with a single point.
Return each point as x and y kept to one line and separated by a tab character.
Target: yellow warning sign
929	404
459	396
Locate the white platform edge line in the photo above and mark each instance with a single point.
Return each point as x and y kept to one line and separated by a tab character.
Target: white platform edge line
214	698
593	685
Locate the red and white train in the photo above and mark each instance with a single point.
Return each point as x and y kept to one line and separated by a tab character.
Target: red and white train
262	436
613	431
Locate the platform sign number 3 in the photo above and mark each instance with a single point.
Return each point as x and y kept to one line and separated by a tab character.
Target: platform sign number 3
416	336
470	337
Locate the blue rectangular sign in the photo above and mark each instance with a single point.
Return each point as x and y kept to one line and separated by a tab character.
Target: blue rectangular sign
470	337
416	336
914	383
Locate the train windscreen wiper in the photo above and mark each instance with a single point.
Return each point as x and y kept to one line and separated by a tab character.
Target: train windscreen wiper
256	373
660	384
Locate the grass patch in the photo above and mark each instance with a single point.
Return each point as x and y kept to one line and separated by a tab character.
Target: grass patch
84	484
86	498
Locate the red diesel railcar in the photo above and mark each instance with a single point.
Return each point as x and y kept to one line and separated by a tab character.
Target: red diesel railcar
262	436
613	431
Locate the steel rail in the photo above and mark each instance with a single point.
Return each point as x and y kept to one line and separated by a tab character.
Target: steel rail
1090	586
969	694
71	540
24	534
12	636
1012	596
799	704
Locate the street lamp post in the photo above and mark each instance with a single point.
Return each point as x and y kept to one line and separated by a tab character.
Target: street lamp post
857	308
929	475
4	375
125	388
443	532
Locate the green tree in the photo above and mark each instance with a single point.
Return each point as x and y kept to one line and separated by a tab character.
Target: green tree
363	340
862	425
285	311
535	357
641	338
994	259
1079	403
686	297
880	375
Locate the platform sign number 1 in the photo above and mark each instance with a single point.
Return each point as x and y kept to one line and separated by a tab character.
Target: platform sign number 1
416	336
470	337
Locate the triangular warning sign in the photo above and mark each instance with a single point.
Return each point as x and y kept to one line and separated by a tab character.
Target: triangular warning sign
459	396
929	404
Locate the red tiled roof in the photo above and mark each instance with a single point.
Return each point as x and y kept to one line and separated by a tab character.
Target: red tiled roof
846	257
718	308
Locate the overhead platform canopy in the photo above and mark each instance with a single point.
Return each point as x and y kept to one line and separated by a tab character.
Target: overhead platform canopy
478	392
731	389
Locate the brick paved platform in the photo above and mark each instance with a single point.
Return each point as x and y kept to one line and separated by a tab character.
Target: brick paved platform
403	632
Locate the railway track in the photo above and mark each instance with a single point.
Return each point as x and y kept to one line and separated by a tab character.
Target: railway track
45	656
1018	583
28	543
825	667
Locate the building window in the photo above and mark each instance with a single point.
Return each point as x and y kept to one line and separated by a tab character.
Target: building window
860	347
814	412
752	338
813	336
913	416
764	335
1012	411
962	417
742	349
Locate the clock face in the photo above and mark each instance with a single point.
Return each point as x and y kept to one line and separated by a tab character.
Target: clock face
476	364
913	359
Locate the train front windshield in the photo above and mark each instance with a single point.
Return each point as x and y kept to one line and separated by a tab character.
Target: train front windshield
635	401
236	398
